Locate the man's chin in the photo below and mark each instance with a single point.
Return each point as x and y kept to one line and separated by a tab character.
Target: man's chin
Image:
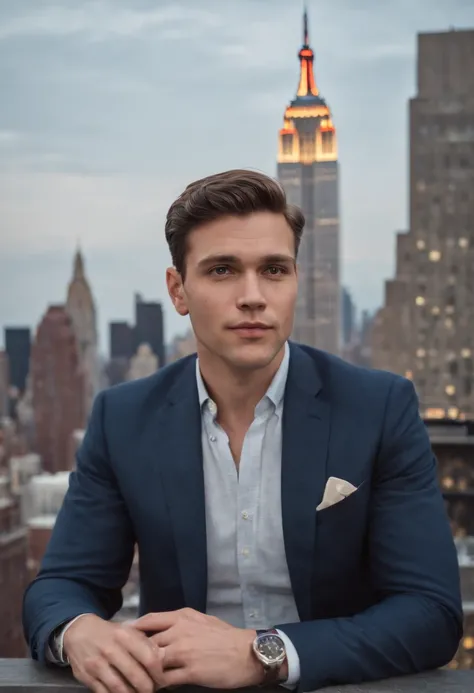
252	356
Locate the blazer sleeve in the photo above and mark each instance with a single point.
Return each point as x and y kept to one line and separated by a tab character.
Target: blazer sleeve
416	623
89	555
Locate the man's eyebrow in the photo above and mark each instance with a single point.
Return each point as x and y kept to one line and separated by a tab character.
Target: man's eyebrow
234	260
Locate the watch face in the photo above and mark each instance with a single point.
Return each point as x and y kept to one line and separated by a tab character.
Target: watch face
271	647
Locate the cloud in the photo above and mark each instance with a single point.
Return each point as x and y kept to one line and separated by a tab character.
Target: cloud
99	20
8	137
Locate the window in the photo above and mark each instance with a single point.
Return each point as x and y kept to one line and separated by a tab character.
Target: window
287	142
327	142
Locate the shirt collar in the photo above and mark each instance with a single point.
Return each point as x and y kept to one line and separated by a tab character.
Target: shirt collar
276	389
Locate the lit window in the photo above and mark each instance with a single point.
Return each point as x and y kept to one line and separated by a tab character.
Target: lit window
468	643
421	245
453	412
466	353
447	482
435	310
421	353
420	301
448	323
449	310
409	374
450	390
435	255
463	242
433	413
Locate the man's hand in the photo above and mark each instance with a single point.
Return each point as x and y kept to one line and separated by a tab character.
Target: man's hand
112	657
202	650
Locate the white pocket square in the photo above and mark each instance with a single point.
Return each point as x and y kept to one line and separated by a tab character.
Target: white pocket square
336	490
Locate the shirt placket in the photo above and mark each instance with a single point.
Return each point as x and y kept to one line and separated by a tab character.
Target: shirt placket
247	530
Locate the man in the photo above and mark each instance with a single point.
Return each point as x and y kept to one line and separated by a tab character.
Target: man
285	504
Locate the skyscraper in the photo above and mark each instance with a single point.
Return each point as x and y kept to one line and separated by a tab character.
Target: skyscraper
58	388
122	341
308	171
4	382
80	307
149	327
14	579
425	329
17	346
348	317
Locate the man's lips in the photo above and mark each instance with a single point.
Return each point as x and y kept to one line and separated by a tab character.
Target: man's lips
251	330
251	326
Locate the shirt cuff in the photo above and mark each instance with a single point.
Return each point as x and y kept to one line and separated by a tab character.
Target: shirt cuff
58	643
293	661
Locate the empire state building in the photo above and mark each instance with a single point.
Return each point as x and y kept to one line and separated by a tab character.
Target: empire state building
308	171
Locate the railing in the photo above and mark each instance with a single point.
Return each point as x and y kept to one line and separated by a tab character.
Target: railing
25	676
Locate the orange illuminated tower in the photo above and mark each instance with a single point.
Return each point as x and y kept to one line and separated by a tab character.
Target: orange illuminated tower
308	170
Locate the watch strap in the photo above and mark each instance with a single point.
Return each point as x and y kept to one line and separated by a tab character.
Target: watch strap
267	631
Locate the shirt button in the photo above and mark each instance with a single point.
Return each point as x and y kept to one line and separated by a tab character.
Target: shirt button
212	407
212	439
245	515
245	552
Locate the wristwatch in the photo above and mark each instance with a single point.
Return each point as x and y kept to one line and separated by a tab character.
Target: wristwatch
269	649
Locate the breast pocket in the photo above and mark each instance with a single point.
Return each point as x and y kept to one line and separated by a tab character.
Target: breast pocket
345	509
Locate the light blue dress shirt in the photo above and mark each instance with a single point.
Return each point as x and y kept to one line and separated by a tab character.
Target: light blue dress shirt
248	579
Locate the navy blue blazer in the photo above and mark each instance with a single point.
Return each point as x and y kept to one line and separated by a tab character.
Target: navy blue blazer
375	577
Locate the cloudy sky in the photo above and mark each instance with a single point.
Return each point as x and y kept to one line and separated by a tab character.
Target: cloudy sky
109	107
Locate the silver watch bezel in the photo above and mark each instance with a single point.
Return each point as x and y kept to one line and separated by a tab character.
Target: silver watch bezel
266	661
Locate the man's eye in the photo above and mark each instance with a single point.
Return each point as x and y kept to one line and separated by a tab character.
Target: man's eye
276	270
220	271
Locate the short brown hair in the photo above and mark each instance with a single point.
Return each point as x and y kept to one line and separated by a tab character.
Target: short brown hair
233	193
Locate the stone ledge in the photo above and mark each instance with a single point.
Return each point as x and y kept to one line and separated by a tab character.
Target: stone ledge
26	676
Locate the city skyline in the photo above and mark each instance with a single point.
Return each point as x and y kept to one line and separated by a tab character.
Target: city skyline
97	138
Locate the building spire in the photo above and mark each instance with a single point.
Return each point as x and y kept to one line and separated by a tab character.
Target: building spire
305	28
307	84
78	264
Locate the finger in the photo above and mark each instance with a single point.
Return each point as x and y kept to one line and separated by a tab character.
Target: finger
131	670
173	678
112	680
165	638
155	622
174	657
144	651
93	684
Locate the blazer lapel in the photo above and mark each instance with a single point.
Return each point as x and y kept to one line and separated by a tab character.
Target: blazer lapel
306	427
183	480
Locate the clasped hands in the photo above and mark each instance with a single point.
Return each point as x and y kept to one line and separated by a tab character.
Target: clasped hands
161	650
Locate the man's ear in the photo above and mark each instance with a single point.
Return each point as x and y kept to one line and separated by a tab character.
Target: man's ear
175	285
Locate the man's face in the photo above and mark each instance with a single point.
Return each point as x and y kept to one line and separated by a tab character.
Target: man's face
240	287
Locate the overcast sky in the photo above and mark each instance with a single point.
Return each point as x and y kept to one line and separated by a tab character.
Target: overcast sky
108	108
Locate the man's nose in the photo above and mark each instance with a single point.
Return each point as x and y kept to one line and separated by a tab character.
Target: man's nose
250	293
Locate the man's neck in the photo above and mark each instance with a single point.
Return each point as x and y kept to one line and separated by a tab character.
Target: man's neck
236	392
